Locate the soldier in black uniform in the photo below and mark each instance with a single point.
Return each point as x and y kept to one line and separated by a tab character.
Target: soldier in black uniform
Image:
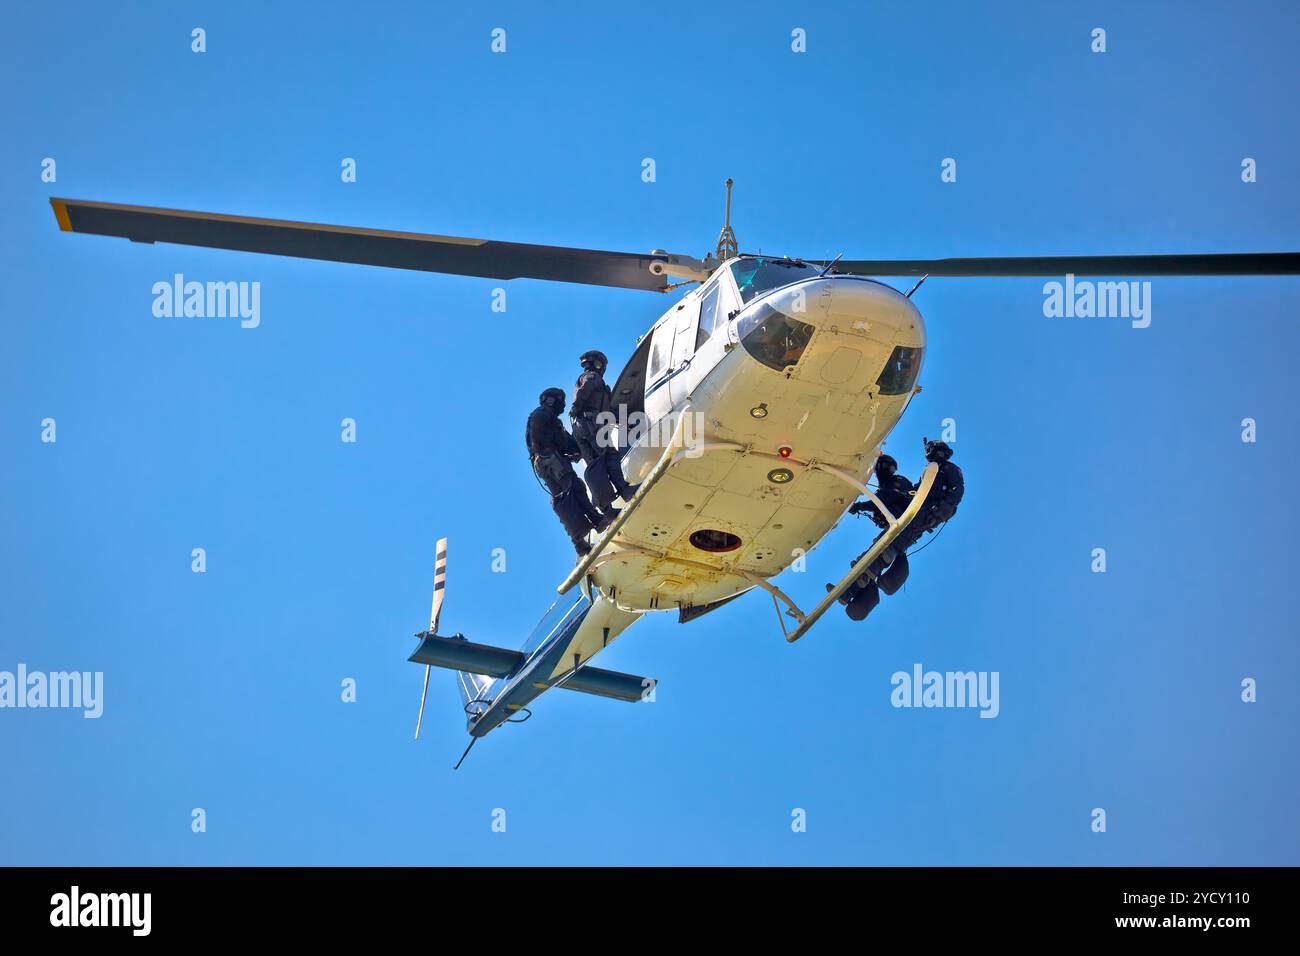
895	493
889	572
948	488
592	398
551	450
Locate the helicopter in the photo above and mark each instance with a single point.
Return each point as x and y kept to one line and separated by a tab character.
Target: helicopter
773	383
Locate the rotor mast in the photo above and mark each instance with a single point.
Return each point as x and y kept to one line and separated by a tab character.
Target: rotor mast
727	248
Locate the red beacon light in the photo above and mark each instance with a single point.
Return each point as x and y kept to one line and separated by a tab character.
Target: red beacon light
785	451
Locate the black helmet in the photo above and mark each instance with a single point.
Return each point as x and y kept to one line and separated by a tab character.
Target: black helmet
553	397
594	359
936	450
886	467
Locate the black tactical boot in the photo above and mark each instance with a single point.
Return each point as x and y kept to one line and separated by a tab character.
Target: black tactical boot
844	598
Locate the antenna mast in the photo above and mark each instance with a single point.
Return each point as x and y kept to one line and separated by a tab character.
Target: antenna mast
727	245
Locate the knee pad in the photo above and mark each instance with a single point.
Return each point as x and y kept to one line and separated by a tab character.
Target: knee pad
896	576
863	603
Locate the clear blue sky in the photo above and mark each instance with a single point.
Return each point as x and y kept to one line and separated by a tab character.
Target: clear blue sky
222	690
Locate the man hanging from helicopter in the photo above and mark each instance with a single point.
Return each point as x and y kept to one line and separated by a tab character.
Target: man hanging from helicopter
552	450
894	491
889	572
591	399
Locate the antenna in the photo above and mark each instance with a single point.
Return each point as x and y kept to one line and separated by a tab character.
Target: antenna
472	742
727	245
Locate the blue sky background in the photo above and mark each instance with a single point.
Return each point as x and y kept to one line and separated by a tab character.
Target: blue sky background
1118	690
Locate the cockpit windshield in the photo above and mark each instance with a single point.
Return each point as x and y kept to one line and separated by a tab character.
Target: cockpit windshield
756	274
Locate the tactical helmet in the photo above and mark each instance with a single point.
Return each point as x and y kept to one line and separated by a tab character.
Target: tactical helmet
886	467
594	359
936	450
553	397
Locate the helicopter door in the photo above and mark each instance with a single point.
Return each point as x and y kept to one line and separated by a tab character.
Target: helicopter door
686	320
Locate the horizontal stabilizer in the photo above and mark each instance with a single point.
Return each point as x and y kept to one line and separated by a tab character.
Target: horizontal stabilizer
602	683
459	654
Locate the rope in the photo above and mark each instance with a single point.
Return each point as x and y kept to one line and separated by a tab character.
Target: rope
931	541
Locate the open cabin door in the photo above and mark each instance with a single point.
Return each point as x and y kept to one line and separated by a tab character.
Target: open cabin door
629	390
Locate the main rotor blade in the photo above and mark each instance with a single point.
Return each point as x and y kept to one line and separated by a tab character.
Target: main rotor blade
375	247
1182	264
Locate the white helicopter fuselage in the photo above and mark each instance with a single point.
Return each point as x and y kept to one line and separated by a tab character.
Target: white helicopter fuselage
788	385
722	519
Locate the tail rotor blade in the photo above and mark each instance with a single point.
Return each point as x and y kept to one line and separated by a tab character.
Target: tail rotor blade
439	592
423	695
439	584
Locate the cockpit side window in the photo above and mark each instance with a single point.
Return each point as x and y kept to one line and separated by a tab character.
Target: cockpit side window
708	314
900	371
775	339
